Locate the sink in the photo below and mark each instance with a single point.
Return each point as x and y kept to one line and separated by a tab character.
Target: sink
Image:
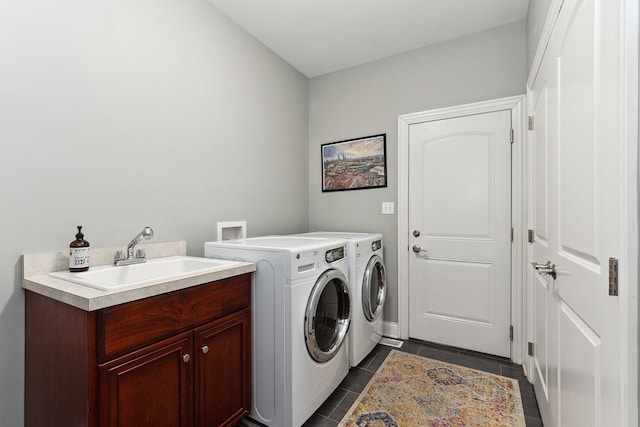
154	271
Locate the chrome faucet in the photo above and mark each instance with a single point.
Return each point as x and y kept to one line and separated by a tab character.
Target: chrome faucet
130	258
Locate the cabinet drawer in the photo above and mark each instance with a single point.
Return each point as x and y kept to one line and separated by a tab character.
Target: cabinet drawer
125	327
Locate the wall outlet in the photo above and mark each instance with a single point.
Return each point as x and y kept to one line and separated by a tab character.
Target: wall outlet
387	208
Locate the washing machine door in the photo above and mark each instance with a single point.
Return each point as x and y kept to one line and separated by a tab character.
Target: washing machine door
328	315
374	288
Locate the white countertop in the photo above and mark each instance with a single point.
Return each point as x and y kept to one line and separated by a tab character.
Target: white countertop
36	278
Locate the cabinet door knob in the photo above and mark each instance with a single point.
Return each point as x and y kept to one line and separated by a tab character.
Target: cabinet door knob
186	357
205	349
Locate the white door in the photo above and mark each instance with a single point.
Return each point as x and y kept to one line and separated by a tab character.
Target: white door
576	214
460	232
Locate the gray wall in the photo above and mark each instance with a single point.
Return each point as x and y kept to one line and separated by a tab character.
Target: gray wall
536	15
117	114
367	100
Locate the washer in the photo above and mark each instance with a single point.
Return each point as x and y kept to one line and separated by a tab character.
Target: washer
301	312
368	284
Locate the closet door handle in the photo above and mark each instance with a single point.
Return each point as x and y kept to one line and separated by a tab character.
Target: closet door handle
205	349
545	269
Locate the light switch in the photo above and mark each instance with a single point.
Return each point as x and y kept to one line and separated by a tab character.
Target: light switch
387	208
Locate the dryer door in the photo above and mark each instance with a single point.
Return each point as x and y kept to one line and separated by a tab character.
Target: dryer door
328	315
374	288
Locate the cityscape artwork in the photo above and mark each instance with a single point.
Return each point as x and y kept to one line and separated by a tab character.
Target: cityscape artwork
354	164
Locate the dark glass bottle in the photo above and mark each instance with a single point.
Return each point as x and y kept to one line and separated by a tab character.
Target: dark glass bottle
79	253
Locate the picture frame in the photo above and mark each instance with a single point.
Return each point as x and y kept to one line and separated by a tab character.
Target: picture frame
354	164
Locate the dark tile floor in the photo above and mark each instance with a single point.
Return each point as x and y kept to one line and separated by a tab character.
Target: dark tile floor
337	405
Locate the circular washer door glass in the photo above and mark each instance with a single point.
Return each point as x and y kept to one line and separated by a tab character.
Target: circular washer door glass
374	288
328	315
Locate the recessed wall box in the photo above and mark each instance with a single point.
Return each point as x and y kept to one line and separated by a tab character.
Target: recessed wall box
232	230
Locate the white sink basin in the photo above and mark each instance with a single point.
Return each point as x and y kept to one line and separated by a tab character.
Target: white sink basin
154	271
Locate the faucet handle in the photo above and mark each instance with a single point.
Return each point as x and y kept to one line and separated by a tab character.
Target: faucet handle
119	256
140	253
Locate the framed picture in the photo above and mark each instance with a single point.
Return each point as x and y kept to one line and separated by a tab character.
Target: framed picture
354	164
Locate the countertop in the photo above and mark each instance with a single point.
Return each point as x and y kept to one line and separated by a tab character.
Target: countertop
36	278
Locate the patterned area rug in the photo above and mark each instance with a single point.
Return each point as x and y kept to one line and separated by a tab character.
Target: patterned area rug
409	390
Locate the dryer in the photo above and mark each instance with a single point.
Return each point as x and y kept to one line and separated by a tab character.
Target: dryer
301	311
368	284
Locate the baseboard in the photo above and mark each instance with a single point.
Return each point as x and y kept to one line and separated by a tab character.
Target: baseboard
391	329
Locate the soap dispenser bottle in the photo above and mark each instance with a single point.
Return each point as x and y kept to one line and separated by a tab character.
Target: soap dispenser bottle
79	253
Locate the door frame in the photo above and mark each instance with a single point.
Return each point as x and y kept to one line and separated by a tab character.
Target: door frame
518	198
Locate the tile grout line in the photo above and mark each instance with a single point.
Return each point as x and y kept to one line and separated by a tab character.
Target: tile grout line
347	411
338	404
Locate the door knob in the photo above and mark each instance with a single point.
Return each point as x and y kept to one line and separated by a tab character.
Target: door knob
416	233
545	269
417	249
186	358
205	349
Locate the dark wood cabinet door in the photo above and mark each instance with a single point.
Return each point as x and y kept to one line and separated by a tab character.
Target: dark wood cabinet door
149	387
222	377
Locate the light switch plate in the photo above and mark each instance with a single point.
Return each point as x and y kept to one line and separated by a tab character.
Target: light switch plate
387	208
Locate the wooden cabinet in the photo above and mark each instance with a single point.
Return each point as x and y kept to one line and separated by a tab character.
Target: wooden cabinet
177	359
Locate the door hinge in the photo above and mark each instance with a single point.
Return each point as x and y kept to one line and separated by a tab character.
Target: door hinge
512	136
613	277
530	123
512	234
530	236
530	348
511	332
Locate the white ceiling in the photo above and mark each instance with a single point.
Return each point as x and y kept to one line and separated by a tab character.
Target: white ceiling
321	36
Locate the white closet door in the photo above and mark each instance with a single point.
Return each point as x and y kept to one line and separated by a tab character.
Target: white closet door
577	216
